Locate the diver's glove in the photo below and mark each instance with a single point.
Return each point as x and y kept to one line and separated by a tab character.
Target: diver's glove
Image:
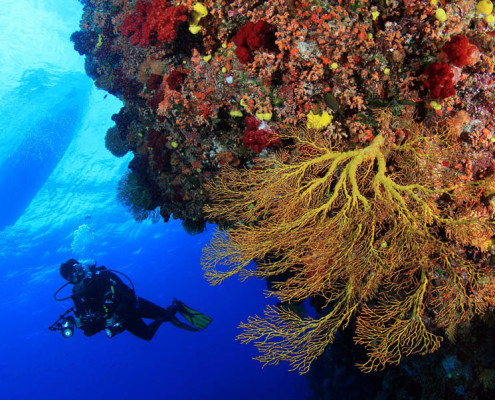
113	325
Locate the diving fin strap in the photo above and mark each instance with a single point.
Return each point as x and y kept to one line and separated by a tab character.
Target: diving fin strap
182	325
193	317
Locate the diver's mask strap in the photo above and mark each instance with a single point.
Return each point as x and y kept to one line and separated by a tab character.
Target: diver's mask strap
80	273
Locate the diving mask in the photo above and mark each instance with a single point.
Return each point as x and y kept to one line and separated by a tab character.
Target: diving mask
78	274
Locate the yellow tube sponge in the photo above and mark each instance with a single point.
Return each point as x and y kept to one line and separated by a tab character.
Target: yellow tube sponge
319	122
267	116
441	15
484	7
198	11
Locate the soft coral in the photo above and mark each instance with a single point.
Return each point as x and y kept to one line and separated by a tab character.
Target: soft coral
440	80
460	52
257	139
153	23
252	36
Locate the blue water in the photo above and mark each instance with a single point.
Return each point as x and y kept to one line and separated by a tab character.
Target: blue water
57	196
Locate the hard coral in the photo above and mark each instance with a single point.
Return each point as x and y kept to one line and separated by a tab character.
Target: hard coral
440	80
153	23
460	52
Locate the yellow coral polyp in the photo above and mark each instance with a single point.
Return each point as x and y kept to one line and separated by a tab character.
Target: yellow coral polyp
319	122
198	11
435	105
264	116
236	113
194	29
441	15
484	7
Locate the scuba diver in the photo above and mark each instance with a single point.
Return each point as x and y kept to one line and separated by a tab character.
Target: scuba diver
103	302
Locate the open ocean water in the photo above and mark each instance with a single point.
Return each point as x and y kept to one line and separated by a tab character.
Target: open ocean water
58	197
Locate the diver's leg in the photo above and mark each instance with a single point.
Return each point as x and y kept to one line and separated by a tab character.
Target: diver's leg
182	325
135	325
147	309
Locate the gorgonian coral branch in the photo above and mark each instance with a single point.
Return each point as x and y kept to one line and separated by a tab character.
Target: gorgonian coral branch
337	225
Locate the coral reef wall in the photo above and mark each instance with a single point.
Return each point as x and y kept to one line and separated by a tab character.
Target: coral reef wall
349	146
209	84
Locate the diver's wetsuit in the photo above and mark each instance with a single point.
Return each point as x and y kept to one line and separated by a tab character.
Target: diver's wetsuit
103	301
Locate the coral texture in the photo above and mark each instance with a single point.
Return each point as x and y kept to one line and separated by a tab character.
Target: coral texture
258	139
209	91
